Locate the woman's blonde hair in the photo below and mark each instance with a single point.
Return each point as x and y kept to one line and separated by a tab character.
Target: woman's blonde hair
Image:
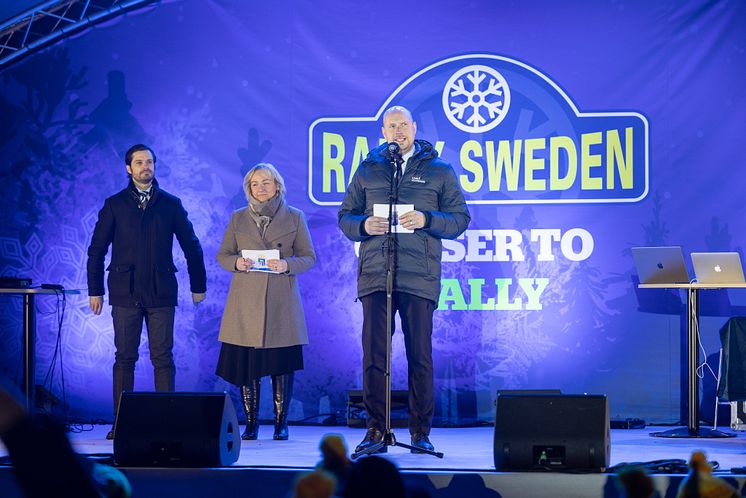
276	176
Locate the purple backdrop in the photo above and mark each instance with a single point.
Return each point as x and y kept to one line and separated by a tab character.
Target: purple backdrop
643	92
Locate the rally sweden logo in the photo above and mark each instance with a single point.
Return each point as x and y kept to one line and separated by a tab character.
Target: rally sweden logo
512	135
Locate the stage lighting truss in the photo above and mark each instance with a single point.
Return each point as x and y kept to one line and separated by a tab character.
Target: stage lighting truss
53	20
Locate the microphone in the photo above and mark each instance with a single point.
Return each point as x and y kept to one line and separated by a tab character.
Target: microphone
394	149
396	159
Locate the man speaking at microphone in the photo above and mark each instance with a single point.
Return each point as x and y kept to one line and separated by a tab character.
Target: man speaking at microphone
430	184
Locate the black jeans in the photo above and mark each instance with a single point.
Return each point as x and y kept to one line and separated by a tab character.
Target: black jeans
416	315
127	331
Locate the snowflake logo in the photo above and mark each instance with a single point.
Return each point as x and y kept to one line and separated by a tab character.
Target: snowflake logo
476	99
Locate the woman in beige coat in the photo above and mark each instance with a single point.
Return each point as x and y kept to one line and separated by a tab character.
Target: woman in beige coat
263	328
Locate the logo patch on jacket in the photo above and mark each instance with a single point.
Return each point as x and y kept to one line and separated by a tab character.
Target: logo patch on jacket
417	179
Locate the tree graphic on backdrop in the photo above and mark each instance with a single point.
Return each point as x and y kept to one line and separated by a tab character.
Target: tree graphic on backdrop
656	231
59	163
526	339
621	328
37	152
519	339
456	367
333	356
39	165
254	153
176	135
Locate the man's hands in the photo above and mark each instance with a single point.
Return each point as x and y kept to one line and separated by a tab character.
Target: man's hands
375	225
96	303
411	220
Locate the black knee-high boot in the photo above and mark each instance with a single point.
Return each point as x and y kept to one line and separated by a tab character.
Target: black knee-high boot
250	397
282	389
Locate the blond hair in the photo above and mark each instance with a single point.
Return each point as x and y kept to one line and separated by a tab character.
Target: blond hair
276	176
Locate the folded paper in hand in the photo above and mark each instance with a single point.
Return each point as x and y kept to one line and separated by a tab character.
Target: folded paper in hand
260	258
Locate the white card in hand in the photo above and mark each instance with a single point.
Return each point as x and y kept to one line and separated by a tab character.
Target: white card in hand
260	258
382	211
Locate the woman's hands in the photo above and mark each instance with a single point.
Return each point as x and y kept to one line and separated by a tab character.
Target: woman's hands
244	264
276	265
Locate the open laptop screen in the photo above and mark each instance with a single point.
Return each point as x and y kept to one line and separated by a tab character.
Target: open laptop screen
660	265
717	267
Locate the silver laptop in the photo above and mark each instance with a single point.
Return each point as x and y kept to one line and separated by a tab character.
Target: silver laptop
660	265
717	267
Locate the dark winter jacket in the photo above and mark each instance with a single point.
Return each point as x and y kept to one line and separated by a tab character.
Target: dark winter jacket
431	185
142	270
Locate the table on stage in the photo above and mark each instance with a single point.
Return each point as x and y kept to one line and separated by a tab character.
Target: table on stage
28	345
692	428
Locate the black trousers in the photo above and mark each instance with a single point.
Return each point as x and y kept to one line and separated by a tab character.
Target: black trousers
127	331
416	315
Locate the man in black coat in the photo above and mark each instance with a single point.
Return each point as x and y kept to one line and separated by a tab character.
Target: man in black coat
140	223
440	212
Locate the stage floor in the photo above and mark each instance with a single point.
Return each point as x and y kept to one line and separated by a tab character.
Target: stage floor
468	449
468	462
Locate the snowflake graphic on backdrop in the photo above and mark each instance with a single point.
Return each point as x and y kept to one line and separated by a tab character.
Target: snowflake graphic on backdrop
476	99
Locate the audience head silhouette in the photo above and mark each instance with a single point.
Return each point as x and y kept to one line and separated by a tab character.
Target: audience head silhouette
374	477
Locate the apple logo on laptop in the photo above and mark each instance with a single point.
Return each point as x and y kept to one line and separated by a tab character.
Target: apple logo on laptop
660	265
717	268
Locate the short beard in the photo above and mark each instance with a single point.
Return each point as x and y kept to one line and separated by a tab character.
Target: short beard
143	183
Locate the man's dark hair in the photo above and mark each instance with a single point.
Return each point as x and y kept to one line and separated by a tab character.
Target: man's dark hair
137	148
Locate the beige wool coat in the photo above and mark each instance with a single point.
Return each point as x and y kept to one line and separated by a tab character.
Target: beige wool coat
264	310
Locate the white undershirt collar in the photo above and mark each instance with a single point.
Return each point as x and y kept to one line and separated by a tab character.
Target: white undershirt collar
406	157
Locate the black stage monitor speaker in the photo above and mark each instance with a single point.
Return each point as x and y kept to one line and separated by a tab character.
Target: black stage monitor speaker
176	430
551	431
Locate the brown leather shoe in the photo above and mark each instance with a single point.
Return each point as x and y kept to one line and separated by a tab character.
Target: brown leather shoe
373	436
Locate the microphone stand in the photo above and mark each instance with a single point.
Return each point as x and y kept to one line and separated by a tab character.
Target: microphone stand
388	438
